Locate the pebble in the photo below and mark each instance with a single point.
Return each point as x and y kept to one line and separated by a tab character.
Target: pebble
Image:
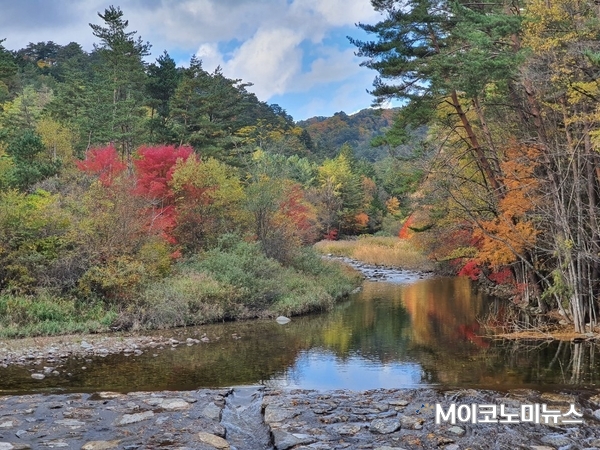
457	431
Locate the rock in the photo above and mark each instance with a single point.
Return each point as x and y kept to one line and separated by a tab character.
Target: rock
212	411
557	398
557	440
451	447
597	414
275	414
595	400
541	447
444	440
398	402
38	376
348	429
6	446
56	444
284	440
8	424
174	404
411	423
385	426
87	346
73	423
109	395
134	418
282	320
458	431
213	440
387	447
100	445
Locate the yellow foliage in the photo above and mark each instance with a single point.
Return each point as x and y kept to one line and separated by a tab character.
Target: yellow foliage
57	139
393	205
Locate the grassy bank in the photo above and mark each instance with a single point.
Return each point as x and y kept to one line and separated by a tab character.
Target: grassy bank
387	251
233	281
46	315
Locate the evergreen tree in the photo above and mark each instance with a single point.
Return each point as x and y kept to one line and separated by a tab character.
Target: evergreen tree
122	71
26	152
163	78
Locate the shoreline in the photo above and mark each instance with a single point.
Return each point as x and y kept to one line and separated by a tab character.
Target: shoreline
29	350
273	419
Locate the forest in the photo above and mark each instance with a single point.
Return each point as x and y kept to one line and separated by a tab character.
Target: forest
509	91
143	194
137	194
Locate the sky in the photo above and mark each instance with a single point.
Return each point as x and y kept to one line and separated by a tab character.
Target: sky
295	52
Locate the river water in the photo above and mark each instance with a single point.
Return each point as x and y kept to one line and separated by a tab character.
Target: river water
411	333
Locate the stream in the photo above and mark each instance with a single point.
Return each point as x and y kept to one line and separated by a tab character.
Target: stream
410	331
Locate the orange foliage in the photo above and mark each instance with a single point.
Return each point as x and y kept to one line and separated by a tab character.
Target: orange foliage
405	232
512	231
362	219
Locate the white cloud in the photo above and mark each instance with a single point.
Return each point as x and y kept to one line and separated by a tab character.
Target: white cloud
272	35
270	59
334	66
339	12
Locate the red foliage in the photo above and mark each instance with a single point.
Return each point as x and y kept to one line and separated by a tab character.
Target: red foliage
104	162
404	232
332	235
295	208
503	276
471	270
471	333
155	169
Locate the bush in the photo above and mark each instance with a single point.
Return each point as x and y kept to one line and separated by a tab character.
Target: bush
237	281
48	315
187	299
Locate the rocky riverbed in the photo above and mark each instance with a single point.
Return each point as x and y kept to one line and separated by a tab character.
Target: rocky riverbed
255	418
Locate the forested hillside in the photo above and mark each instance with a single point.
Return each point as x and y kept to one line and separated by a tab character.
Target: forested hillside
136	193
358	130
509	91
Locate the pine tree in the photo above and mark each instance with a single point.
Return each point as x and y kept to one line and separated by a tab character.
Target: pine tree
121	70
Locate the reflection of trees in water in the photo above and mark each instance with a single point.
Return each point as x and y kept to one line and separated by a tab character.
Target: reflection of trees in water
509	364
428	322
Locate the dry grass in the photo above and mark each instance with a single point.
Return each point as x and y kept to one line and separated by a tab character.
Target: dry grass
387	251
556	335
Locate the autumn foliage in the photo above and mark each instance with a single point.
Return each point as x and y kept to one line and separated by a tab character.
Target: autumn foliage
508	235
104	163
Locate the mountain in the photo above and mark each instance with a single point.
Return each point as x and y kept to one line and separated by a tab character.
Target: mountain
328	134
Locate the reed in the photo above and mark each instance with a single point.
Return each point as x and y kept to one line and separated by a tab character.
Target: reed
386	251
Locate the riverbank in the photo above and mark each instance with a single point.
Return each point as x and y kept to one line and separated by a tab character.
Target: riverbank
233	282
251	418
55	350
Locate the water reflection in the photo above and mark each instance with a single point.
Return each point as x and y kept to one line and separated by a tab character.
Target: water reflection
388	335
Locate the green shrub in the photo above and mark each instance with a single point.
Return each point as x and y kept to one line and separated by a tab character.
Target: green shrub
190	298
48	315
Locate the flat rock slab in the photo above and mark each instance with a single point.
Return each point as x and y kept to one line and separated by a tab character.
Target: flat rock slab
215	441
385	426
380	419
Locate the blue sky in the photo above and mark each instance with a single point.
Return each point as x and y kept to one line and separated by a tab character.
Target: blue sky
295	52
